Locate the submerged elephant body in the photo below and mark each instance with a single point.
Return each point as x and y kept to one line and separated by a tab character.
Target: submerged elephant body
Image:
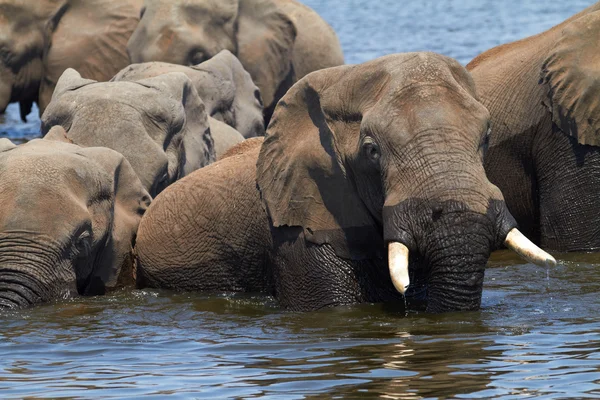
67	223
277	41
361	166
542	93
42	38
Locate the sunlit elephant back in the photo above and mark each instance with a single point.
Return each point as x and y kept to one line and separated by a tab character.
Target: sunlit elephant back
41	38
277	41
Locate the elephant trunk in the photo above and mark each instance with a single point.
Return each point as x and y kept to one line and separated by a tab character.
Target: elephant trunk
31	271
18	289
448	246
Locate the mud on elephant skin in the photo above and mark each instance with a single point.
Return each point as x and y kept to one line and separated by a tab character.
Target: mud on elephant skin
364	168
67	223
277	41
542	93
224	85
40	39
159	124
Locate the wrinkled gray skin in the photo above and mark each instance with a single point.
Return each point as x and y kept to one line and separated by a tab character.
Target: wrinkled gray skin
39	39
67	222
277	41
543	93
159	124
354	158
223	84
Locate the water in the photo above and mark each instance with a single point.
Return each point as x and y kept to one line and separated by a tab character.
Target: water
537	334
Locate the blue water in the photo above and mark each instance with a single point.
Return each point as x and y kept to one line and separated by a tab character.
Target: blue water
538	333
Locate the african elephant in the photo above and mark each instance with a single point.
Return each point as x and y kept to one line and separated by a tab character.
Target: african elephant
542	93
159	124
39	39
68	219
356	160
226	88
277	41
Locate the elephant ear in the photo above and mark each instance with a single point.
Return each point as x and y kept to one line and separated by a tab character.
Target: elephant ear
266	39
131	201
58	134
302	180
6	145
572	73
191	133
90	36
70	80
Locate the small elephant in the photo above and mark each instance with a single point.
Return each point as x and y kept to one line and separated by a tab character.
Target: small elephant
159	124
226	88
39	39
277	41
67	223
357	160
542	93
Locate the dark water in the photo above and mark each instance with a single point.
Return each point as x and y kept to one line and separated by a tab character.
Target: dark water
538	333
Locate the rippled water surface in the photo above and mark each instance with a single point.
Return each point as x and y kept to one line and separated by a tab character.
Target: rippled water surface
538	332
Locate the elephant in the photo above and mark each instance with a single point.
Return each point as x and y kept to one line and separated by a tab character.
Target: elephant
277	41
544	152
356	160
40	39
67	223
159	124
226	88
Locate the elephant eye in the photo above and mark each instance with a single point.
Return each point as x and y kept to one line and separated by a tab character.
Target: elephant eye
197	57
371	150
258	97
83	244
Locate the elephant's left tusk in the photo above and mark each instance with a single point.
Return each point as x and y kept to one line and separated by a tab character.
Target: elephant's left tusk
398	264
524	247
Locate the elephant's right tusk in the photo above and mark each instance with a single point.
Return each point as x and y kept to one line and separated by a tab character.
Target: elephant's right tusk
398	264
524	247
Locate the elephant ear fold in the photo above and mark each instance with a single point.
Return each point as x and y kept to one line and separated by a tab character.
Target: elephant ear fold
302	180
572	73
6	145
58	134
70	80
266	39
131	200
192	132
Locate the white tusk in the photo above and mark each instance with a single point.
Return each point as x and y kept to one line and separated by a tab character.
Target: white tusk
398	264
524	247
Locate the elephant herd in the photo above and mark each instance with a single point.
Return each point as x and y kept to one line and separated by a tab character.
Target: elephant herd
392	180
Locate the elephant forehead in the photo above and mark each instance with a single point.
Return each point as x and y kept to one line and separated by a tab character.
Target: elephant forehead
108	104
49	191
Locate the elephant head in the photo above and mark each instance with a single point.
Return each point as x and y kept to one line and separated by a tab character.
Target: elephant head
159	124
226	88
68	219
39	39
190	32
23	39
388	155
